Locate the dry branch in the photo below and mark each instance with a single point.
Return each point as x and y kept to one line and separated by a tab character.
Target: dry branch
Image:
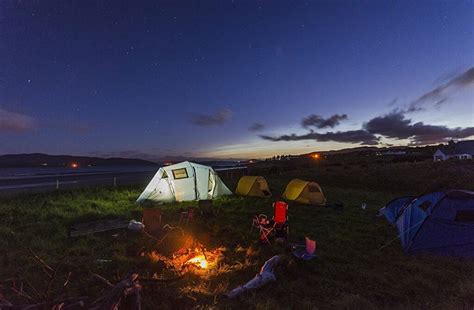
107	282
66	283
128	289
21	293
46	268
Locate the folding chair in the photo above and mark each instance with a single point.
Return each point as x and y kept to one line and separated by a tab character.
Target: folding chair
305	252
187	216
280	219
264	227
258	220
152	220
278	224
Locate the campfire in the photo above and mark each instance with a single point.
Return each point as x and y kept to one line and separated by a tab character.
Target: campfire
193	258
199	261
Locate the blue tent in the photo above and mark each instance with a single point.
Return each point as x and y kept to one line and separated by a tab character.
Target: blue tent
437	223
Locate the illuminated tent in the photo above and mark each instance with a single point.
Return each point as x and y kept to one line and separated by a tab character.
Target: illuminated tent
304	192
184	182
255	186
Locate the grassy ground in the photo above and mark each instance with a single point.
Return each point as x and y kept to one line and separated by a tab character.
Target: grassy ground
350	271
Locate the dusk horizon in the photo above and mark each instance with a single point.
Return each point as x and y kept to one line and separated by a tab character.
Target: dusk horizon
177	158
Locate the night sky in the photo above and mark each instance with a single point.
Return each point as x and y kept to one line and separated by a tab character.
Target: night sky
232	79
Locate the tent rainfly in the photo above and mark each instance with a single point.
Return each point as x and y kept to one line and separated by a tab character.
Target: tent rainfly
255	186
440	223
184	182
304	192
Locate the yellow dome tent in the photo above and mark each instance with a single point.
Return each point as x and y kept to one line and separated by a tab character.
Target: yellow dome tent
255	186
304	192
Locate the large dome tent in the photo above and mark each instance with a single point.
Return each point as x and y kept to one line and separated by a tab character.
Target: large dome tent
184	181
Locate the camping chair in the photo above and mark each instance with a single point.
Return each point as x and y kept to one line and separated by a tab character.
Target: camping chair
278	224
187	216
152	220
305	252
264	227
258	220
280	219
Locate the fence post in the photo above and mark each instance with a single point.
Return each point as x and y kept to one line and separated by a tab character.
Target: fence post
57	183
115	181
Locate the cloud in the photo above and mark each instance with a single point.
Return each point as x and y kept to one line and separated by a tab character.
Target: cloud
218	118
20	123
351	136
392	102
394	125
256	127
440	94
16	122
320	122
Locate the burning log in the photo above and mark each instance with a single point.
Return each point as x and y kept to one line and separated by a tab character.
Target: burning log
191	257
199	261
265	276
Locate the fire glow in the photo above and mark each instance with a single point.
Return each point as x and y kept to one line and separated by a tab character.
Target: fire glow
199	261
196	259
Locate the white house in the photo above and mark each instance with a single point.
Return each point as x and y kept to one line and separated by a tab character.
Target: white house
455	150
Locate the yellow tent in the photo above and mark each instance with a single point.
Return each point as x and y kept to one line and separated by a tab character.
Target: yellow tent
304	192
255	186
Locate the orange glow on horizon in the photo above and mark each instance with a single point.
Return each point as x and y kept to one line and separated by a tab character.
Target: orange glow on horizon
74	165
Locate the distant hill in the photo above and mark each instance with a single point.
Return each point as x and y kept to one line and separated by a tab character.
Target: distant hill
427	149
38	159
354	150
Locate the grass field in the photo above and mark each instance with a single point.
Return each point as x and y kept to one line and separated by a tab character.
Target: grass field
350	272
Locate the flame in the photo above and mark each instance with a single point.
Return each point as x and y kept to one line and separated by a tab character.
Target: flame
199	261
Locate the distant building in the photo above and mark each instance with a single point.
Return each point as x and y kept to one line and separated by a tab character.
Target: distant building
455	150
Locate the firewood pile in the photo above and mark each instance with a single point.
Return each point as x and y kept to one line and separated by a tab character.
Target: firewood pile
124	294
